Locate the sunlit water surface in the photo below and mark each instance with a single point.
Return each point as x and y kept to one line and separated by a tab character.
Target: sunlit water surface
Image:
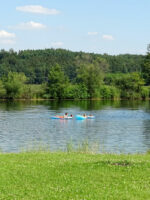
118	127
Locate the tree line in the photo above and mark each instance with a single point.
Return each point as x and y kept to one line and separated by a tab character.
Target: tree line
62	74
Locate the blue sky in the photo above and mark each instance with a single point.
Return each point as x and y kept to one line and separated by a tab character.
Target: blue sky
100	26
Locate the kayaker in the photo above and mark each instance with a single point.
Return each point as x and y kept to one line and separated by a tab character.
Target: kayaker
66	115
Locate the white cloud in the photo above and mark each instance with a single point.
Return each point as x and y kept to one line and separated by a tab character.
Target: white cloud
92	33
57	44
7	41
37	9
4	34
108	37
31	25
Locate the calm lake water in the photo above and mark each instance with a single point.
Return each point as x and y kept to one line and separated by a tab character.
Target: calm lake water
119	126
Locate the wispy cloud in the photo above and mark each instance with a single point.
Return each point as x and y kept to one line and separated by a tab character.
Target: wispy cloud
7	38
57	44
37	9
30	25
107	37
92	33
7	41
4	34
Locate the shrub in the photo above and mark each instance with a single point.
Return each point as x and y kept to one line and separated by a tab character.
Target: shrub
145	92
14	84
33	91
109	92
76	91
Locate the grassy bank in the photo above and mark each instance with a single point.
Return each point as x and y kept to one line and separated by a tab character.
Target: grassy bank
74	176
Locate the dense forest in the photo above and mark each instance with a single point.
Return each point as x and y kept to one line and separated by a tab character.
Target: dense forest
63	74
36	64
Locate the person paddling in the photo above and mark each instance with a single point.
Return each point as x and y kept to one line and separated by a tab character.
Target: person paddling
84	115
66	115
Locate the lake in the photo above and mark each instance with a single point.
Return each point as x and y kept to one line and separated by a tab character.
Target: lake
118	127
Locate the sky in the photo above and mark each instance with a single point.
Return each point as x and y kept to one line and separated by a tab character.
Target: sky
97	26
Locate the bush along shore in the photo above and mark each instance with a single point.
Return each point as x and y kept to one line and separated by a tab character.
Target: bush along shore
127	86
74	175
61	74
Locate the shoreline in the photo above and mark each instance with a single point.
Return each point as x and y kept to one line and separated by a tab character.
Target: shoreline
95	99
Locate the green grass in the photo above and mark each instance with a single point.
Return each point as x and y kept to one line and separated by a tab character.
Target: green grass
74	176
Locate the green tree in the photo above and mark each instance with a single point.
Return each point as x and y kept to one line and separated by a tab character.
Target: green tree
2	90
91	76
146	67
36	64
57	82
14	84
75	91
130	85
102	63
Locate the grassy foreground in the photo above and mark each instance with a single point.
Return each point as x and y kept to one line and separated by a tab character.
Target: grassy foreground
74	176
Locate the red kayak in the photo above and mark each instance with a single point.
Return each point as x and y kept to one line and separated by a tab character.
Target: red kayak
60	117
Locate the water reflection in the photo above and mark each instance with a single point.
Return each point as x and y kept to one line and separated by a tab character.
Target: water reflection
86	105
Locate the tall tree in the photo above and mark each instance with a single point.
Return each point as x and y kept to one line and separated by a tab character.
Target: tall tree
57	82
92	77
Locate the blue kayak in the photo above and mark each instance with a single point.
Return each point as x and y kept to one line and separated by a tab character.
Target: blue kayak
81	117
